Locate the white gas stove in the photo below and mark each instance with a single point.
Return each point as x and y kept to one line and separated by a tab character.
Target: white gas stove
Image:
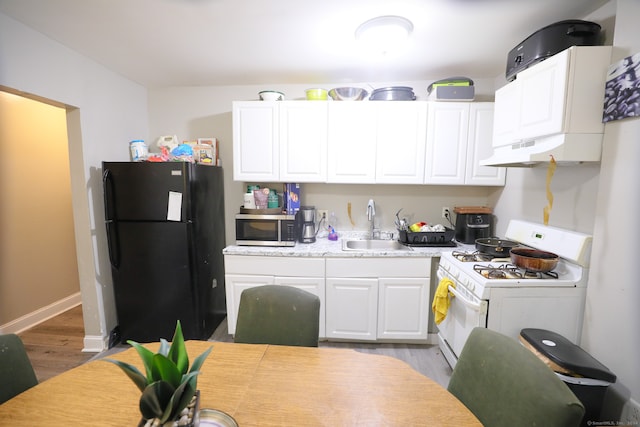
495	294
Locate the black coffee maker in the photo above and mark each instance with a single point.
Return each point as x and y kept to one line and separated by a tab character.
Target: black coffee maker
473	222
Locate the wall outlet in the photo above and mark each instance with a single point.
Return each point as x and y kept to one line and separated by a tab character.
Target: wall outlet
320	212
446	212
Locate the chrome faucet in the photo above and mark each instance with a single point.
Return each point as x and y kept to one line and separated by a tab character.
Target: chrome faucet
371	213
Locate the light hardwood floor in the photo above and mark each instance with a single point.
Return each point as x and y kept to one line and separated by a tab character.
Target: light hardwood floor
56	345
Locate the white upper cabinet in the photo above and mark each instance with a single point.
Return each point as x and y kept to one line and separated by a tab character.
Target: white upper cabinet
378	142
303	141
351	155
256	141
447	131
458	137
481	119
562	94
372	142
400	146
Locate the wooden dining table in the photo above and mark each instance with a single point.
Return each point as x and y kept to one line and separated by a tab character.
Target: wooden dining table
256	384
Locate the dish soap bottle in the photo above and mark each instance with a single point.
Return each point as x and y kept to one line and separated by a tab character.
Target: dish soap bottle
332	223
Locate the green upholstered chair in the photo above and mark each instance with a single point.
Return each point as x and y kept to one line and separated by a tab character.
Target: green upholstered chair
16	372
505	384
277	314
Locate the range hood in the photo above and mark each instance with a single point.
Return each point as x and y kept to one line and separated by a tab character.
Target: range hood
568	148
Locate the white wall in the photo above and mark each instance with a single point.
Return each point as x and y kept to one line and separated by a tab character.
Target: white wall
598	199
104	112
612	317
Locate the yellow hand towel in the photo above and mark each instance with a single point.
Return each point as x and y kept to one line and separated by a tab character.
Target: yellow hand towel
441	300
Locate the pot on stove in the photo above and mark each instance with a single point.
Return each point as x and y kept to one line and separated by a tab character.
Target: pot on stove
495	247
534	260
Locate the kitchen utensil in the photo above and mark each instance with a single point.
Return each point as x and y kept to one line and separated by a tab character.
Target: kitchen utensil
316	94
534	260
271	95
495	247
348	94
393	93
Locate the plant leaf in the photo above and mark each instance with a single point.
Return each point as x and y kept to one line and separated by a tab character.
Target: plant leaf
165	370
180	400
146	356
197	363
155	399
132	372
164	347
178	351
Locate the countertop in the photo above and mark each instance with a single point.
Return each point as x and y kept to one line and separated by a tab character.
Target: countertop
324	247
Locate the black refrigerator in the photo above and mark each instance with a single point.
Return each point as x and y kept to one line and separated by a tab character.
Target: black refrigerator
165	231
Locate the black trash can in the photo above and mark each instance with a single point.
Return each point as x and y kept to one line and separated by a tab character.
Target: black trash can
587	378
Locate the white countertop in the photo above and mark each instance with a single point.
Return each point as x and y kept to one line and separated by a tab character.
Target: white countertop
324	247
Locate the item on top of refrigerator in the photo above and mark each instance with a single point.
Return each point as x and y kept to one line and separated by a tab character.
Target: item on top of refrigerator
291	198
169	141
139	150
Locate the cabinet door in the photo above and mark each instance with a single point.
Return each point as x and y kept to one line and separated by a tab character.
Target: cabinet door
352	306
351	156
506	114
447	132
401	140
314	285
234	285
403	308
480	147
543	92
303	141
255	141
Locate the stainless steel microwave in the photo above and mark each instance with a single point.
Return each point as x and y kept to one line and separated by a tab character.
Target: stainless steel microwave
265	230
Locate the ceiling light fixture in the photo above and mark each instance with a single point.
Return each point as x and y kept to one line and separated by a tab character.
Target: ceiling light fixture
384	33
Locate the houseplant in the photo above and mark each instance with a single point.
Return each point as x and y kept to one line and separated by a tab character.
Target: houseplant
168	385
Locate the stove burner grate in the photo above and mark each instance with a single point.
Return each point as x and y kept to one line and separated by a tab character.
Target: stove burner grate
510	271
471	256
504	271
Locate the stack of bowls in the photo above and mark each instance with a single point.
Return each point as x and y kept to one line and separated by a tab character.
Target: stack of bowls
316	94
271	95
393	93
348	94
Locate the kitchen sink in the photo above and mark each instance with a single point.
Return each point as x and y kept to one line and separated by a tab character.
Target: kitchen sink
373	245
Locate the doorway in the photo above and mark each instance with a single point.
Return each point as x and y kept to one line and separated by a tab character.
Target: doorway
38	257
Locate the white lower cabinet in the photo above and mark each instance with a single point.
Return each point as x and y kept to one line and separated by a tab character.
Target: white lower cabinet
361	299
403	308
377	298
352	306
242	272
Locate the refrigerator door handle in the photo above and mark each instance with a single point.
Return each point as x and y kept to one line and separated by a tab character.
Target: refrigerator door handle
113	244
112	230
107	184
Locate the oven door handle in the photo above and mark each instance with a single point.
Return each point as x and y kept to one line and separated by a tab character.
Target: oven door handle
479	307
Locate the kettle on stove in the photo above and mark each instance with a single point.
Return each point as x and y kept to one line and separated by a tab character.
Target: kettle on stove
473	222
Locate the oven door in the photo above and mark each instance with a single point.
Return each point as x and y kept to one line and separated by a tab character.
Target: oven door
465	313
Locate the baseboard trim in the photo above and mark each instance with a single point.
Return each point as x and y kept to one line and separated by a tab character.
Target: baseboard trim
34	318
95	344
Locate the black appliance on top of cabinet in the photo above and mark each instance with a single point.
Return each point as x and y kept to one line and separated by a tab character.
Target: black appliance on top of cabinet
550	40
165	230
